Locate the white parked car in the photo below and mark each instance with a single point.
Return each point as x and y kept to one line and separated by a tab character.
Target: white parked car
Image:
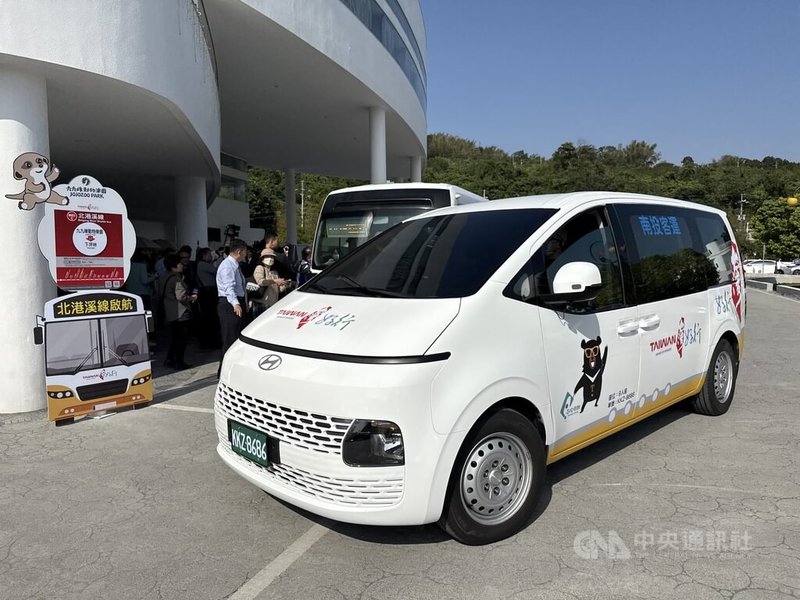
788	267
759	266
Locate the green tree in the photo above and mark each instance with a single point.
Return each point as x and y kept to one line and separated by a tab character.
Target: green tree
776	225
640	154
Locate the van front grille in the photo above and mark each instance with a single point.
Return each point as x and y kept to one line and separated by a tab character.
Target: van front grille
310	431
341	491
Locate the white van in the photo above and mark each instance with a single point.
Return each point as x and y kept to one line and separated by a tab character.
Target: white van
433	373
351	216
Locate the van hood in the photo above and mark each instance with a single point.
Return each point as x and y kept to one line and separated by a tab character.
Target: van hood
356	326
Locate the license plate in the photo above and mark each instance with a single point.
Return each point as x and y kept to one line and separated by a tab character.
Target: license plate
248	442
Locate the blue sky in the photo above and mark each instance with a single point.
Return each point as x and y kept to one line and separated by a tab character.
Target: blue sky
701	78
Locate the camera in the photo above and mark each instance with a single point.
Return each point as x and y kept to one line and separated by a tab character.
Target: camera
232	230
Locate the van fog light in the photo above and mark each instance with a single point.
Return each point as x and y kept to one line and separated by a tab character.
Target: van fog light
373	444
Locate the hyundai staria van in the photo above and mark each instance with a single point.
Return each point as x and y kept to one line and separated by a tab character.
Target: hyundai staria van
434	372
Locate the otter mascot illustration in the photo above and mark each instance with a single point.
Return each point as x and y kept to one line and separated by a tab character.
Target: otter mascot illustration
592	378
38	175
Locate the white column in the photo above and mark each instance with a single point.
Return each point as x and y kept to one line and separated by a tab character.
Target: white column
416	168
291	208
377	144
27	283
191	212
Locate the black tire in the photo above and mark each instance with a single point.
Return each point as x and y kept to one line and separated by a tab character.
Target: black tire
504	444
717	394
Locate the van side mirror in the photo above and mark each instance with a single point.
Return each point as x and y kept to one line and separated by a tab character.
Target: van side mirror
38	335
576	277
575	282
149	323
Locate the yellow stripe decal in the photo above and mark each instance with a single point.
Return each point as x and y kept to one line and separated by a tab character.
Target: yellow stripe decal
600	429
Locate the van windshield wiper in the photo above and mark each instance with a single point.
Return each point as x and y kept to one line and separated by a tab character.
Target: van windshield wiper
354	286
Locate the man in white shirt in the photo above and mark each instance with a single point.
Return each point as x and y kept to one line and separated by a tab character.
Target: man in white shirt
230	289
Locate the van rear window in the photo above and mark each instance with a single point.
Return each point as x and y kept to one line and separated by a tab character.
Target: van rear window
446	256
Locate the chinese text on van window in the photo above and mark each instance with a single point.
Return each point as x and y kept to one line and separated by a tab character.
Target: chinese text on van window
654	225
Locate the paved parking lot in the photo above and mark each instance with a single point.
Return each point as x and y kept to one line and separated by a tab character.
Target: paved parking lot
138	505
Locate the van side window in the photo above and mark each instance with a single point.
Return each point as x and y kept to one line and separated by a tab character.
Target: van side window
716	244
669	258
585	238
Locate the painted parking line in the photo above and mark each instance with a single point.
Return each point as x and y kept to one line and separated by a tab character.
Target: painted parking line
283	561
199	409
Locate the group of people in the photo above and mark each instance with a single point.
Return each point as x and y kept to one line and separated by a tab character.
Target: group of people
213	297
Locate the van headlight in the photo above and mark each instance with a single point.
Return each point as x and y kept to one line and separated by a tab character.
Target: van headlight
373	444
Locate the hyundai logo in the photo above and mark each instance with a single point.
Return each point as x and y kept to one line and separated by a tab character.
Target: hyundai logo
270	362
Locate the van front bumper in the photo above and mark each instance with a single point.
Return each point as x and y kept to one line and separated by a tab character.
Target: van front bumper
307	427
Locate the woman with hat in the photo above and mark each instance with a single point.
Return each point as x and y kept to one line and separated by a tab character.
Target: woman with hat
267	278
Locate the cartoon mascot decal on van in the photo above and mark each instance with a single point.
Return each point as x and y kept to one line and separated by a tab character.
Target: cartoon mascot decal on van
737	280
592	378
38	175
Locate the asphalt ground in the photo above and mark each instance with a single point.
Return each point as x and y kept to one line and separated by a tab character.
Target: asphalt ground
138	505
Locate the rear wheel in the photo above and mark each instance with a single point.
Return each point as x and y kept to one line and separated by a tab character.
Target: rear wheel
496	481
717	393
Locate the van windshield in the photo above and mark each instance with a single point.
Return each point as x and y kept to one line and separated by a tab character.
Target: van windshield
446	256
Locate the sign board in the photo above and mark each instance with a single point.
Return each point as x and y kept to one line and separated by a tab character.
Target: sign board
97	355
89	241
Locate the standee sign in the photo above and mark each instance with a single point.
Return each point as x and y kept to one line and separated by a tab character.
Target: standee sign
88	242
97	356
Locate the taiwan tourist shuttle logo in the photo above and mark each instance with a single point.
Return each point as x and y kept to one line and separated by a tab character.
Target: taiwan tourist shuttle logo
89	241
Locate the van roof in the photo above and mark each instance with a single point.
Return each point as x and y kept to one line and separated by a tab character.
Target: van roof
572	200
413	185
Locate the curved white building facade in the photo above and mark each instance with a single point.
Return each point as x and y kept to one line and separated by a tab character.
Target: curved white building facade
147	96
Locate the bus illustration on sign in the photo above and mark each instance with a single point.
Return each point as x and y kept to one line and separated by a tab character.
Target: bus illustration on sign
96	353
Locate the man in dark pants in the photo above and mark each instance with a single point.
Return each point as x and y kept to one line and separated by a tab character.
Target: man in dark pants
230	288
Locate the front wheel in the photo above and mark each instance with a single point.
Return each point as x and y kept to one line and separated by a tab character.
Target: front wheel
717	393
496	481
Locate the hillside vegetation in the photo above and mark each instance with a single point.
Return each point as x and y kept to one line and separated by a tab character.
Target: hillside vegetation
636	167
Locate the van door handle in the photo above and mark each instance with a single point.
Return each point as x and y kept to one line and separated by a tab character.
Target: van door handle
650	322
628	327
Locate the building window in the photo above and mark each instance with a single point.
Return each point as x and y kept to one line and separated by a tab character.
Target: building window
374	19
233	189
